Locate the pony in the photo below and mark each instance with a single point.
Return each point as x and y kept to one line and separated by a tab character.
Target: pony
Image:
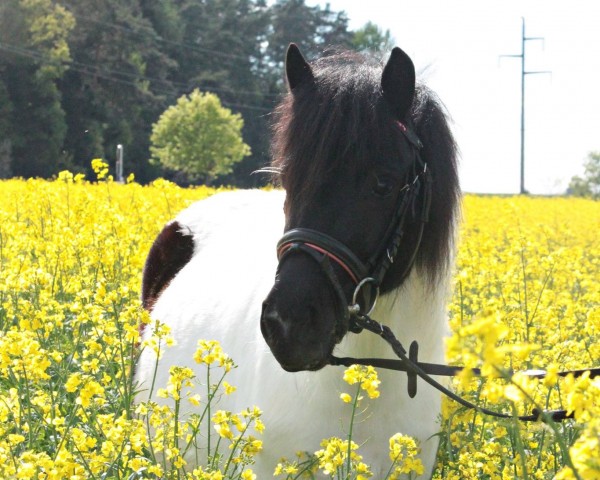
368	213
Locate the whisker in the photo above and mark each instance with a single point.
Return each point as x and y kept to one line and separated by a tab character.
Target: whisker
271	170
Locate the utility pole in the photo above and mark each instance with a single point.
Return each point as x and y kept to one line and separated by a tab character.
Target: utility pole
524	72
119	166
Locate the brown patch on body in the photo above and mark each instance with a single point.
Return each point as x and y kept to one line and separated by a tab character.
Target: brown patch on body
169	253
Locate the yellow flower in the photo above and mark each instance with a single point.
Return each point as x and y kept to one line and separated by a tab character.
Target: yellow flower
512	393
345	397
334	456
65	176
248	475
155	469
285	467
229	389
209	352
162	393
551	377
71	254
100	168
73	382
403	454
366	376
90	389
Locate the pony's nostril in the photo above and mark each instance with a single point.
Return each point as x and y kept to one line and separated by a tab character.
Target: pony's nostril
276	324
295	332
271	323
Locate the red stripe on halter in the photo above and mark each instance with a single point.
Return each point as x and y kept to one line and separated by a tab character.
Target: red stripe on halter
337	260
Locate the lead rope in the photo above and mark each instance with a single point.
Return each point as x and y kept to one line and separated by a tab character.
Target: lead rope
413	369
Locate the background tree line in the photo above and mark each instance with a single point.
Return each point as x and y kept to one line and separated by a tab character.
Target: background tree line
78	77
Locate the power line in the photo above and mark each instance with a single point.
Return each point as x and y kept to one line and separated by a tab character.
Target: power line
187	46
158	38
81	68
110	75
183	86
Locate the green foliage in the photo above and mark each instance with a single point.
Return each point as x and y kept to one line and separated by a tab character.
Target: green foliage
6	112
80	77
198	137
119	84
312	28
224	54
370	38
33	52
589	184
49	25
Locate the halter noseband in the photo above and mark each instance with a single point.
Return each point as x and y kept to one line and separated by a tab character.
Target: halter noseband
366	276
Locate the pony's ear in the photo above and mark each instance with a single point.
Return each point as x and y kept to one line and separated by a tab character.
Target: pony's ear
297	69
398	83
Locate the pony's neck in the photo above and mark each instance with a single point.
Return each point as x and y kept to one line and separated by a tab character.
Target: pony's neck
414	311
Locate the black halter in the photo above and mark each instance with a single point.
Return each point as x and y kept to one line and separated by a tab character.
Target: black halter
367	276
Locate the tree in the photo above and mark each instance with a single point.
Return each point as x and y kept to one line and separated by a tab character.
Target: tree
79	77
198	137
5	132
118	83
223	53
370	38
33	54
312	28
589	184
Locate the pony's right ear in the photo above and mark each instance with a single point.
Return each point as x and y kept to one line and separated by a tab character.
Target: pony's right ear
398	83
297	69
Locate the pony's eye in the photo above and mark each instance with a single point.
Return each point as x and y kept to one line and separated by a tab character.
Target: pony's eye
383	186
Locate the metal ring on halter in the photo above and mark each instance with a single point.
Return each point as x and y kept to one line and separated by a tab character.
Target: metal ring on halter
355	307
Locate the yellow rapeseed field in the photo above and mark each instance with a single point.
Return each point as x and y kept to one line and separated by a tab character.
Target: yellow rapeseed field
526	295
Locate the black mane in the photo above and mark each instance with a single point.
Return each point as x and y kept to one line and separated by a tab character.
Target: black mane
341	121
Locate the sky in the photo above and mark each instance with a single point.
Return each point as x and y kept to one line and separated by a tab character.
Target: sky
456	46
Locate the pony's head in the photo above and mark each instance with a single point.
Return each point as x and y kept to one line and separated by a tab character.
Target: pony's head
366	201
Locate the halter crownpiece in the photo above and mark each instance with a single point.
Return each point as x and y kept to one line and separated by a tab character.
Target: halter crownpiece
410	135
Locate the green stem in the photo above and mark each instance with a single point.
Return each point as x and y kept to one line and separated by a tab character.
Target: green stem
235	446
547	419
208	410
176	423
152	385
519	443
28	408
523	269
350	430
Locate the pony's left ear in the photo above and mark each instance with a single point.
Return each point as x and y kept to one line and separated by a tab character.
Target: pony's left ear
398	83
297	69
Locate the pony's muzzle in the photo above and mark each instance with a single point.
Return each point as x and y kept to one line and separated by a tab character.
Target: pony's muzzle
290	339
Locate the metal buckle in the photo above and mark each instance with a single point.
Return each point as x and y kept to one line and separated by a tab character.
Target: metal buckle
354	308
